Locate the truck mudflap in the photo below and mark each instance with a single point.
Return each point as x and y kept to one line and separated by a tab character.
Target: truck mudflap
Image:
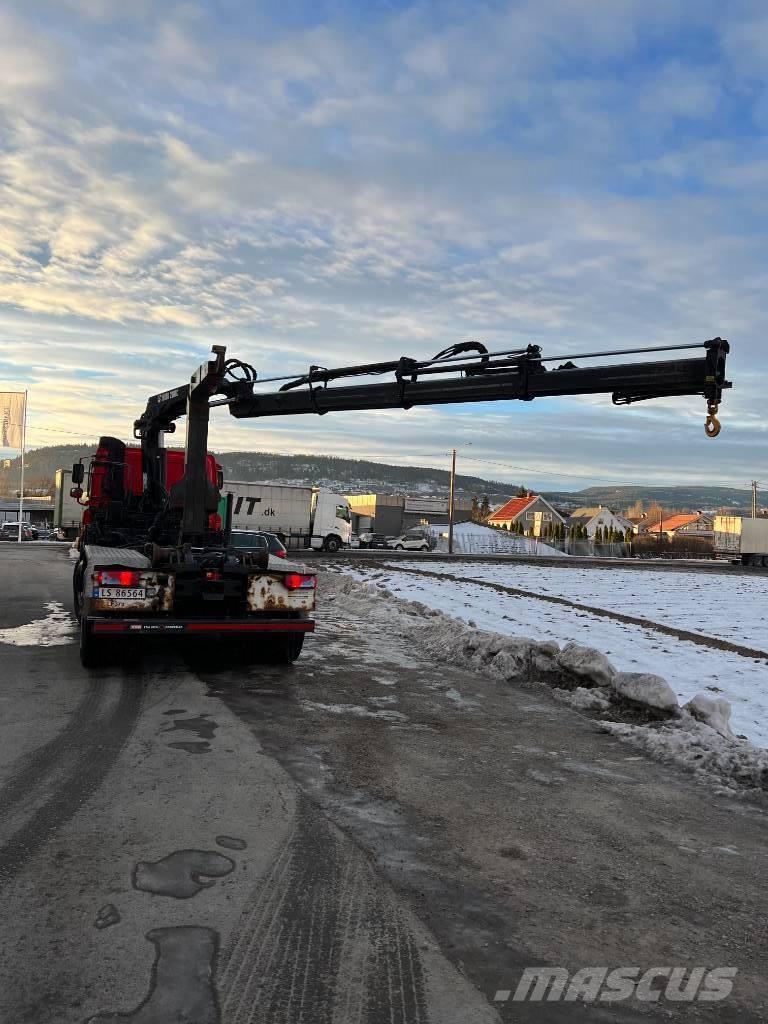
173	627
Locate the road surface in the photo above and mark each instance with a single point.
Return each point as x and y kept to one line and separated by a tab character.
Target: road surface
363	837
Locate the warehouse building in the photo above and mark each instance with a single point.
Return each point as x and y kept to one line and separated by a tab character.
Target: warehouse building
392	514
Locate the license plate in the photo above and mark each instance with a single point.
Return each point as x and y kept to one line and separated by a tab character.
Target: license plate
121	593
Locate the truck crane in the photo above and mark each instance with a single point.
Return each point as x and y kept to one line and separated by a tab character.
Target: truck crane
154	554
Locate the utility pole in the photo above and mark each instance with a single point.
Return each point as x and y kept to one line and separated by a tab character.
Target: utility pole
450	502
754	498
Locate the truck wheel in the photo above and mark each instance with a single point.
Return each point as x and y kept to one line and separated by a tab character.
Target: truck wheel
332	543
292	647
78	582
275	648
90	647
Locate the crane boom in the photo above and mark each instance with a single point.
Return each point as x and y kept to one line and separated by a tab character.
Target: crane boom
462	373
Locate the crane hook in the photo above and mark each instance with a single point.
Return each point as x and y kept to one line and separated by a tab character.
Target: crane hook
712	425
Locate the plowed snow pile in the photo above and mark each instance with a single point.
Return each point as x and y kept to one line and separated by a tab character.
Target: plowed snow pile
640	707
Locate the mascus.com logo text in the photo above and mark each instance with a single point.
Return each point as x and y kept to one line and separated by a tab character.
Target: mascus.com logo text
613	985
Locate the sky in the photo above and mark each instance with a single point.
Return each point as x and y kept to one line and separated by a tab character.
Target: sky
344	182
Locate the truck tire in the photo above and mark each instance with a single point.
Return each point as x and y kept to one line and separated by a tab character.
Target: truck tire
291	647
78	582
90	647
332	543
275	648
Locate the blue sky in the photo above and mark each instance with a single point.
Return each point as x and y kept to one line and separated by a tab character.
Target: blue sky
335	182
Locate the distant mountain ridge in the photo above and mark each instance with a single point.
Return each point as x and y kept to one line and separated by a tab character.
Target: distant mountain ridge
359	476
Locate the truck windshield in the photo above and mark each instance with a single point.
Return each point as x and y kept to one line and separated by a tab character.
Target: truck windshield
342	512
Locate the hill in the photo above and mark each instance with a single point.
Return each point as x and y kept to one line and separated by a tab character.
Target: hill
350	476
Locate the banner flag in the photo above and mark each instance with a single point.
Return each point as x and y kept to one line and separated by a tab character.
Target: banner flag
12	419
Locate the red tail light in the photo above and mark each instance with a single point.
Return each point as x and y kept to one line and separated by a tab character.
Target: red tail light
214	521
280	554
298	581
118	578
213	576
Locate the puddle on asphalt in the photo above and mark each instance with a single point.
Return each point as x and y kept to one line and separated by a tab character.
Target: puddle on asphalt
57	628
231	842
181	874
202	726
181	985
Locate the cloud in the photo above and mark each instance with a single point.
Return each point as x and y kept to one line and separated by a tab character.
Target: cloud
353	183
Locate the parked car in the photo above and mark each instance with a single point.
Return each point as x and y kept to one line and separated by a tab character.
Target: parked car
373	540
10	531
417	539
245	539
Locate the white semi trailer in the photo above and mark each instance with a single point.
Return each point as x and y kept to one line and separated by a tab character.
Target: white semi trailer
302	517
67	512
742	539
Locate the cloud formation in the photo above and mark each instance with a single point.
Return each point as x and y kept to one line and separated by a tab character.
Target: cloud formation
342	182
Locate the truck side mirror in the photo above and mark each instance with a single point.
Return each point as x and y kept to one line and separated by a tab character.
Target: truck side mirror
76	493
78	473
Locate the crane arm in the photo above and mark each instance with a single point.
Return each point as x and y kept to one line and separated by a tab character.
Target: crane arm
461	373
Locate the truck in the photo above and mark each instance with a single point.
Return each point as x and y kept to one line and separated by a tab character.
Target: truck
155	552
67	511
742	540
126	585
302	517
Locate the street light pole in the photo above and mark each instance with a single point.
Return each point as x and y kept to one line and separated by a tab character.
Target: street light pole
450	502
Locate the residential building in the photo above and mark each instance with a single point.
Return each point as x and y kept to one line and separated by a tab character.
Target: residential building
598	518
533	512
686	524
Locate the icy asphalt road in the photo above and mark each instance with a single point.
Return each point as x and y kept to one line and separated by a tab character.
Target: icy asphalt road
363	837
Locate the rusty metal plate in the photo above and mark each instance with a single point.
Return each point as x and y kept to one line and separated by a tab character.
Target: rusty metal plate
267	593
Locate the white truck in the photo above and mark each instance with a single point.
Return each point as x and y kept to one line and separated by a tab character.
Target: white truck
742	539
302	517
67	512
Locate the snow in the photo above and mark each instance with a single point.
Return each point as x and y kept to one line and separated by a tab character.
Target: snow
734	607
643	688
475	539
715	713
55	629
733	766
689	668
700	749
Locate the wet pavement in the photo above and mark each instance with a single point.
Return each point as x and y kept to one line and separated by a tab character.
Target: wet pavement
364	836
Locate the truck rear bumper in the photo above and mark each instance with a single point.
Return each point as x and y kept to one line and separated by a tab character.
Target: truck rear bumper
173	627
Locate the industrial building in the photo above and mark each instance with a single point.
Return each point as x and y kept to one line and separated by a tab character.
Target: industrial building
392	514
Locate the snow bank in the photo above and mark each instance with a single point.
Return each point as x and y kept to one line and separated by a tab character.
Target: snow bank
690	668
474	539
714	713
736	765
648	690
585	678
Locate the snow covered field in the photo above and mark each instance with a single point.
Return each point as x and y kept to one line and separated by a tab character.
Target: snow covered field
730	607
